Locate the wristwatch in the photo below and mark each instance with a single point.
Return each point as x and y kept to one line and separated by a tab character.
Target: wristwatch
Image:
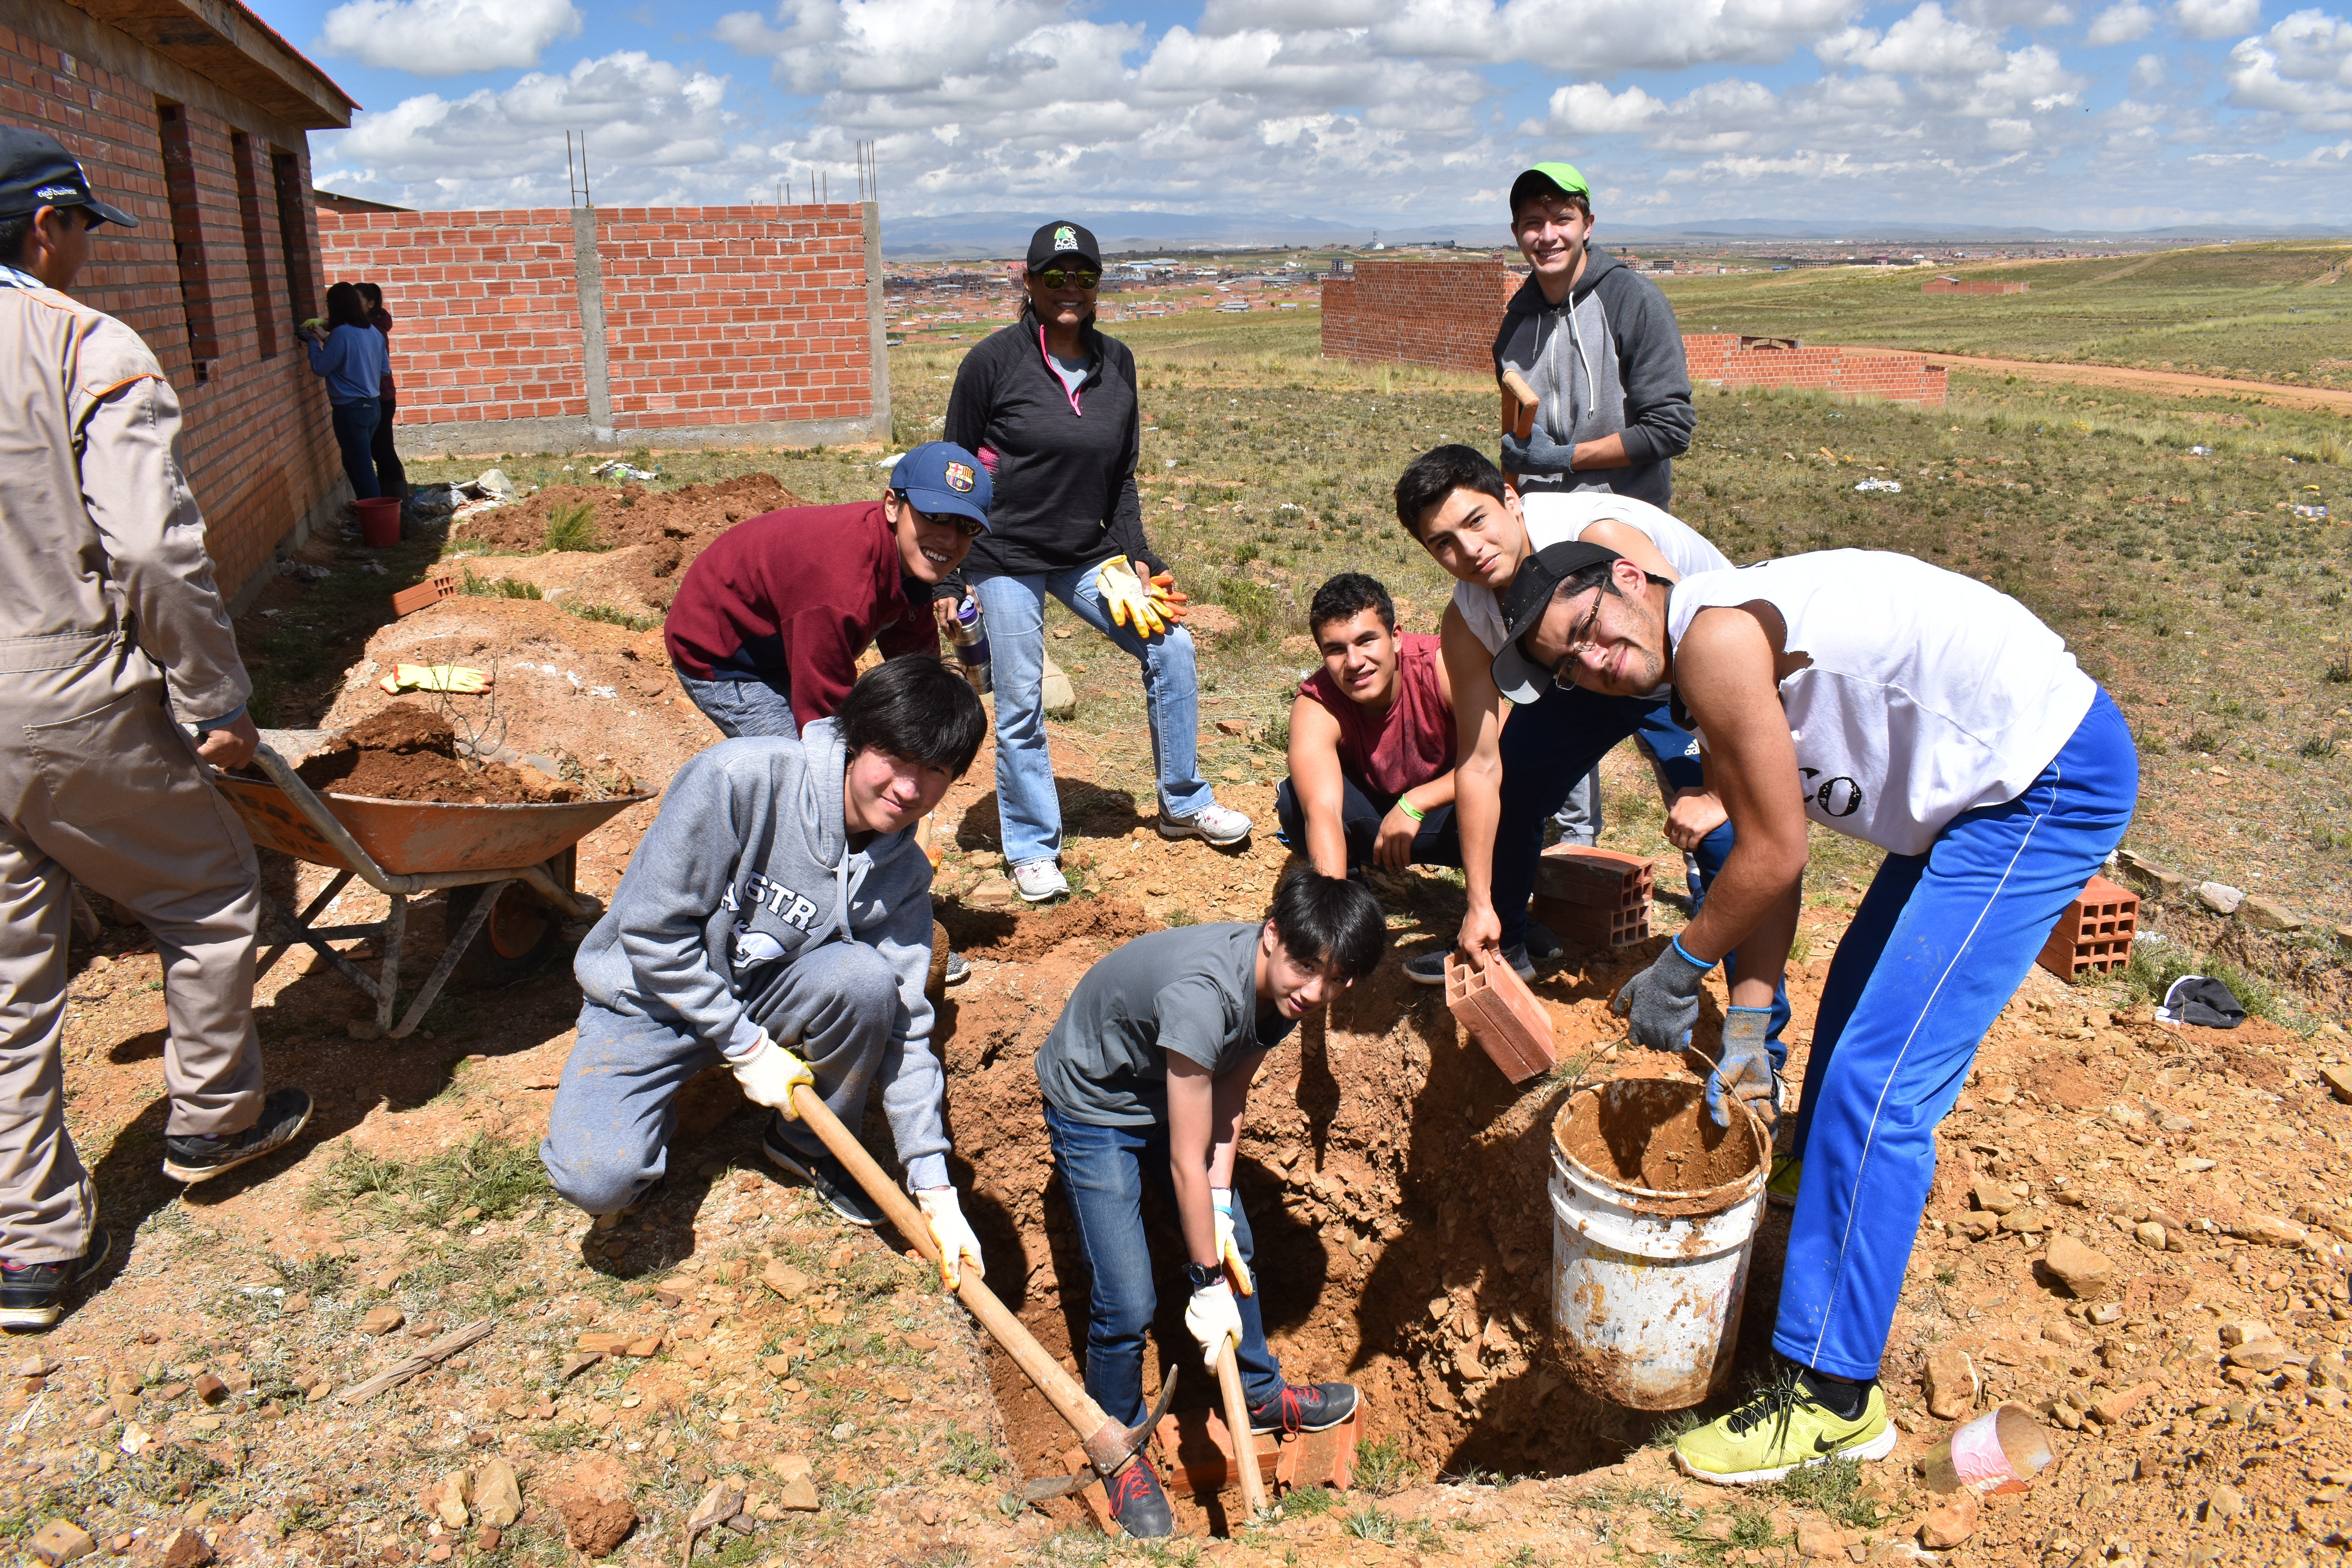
1200	1276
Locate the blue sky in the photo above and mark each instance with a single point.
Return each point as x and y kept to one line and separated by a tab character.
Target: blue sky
2129	114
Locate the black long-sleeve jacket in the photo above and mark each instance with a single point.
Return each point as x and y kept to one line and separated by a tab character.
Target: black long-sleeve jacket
1062	462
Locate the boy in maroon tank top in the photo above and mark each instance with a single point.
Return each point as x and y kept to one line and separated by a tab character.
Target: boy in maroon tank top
1371	740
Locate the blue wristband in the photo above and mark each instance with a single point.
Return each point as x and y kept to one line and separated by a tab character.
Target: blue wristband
1676	943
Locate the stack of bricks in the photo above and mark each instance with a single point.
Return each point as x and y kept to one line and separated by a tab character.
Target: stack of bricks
2095	935
1594	897
1971	285
1445	314
257	446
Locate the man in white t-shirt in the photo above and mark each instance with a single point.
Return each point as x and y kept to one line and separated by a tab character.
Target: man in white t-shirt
1510	777
1915	709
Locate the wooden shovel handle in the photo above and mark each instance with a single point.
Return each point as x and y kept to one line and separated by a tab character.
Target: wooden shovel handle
1237	1423
1105	1439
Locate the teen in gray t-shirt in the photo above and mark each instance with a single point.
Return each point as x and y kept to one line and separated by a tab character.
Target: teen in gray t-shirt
1146	1075
1191	989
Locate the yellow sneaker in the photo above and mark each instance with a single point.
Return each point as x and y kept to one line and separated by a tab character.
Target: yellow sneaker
1784	1428
1780	1186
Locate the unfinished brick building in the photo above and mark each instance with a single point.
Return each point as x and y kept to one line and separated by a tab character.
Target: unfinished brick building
1444	314
554	329
191	116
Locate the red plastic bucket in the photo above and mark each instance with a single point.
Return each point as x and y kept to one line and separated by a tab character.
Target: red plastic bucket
380	520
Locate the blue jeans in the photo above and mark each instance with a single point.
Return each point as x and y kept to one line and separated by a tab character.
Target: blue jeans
1935	951
1435	843
741	708
355	424
1103	1170
1553	745
1028	810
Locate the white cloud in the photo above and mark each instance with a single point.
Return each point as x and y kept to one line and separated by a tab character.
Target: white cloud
2216	19
2301	66
2125	23
1924	43
648	124
2147	73
445	37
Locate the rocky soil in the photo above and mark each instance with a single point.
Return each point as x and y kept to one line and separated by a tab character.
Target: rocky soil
2136	1231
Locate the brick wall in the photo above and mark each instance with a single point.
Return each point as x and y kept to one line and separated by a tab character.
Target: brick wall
1971	285
255	443
485	316
1445	314
715	320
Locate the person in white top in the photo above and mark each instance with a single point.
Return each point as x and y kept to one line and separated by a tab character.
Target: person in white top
1511	777
1917	710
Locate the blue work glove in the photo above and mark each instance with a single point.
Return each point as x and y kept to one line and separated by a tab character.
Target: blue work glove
1744	1070
1662	1002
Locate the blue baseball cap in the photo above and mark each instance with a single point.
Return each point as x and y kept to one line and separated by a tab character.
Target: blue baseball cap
939	476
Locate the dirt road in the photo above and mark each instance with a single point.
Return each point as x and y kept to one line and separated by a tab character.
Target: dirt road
2172	382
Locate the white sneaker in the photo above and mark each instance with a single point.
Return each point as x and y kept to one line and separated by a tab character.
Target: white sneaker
1217	824
1039	881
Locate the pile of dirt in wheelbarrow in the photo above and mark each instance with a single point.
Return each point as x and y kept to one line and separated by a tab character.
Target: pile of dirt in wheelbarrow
405	751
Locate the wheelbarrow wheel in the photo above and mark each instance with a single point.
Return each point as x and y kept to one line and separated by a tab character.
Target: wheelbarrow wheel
520	934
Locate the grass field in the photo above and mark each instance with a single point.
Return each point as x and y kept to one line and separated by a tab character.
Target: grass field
2279	311
2185	583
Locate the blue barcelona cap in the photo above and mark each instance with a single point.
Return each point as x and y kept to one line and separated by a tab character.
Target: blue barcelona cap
942	477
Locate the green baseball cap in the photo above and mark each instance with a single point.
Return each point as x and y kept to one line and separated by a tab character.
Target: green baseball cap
1549	180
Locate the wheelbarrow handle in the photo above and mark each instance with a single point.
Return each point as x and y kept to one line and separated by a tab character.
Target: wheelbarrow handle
1104	1439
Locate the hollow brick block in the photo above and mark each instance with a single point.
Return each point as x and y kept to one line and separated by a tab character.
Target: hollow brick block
1494	1005
2094	933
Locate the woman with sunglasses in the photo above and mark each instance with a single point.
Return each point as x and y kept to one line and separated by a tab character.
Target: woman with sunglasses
1049	405
768	623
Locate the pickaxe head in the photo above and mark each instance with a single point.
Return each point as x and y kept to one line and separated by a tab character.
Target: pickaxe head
1047	1488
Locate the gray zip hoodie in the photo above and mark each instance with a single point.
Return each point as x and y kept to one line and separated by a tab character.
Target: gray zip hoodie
1605	360
748	864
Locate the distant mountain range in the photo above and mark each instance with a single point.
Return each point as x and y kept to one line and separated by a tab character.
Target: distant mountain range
954	235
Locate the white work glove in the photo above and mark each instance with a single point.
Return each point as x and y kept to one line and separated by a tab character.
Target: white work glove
957	1243
1213	1317
1229	1251
769	1074
1126	598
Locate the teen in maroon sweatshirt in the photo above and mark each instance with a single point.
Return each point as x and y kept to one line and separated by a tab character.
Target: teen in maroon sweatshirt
769	621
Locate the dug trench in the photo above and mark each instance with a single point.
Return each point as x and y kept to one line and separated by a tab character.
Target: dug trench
1396	1186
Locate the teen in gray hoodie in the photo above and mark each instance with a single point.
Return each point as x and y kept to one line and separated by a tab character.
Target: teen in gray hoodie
777	916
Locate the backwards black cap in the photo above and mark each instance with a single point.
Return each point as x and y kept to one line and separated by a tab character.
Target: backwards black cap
37	173
1516	676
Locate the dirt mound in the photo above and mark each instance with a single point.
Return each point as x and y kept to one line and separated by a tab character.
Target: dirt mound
633	514
408	753
1010	938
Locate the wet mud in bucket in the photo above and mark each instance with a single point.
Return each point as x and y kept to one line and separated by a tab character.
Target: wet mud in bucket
1654	1216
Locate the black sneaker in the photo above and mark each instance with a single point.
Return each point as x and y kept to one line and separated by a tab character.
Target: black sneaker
828	1175
1138	1503
196	1159
30	1292
1308	1409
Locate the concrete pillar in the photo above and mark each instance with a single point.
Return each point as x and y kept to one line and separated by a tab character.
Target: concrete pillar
588	277
869	219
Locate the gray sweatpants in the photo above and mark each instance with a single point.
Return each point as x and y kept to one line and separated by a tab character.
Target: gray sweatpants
98	785
608	1134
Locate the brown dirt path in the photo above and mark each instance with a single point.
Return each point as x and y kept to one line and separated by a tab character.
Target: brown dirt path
2172	382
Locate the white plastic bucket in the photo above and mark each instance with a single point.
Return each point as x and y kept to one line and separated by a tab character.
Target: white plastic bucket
1646	1280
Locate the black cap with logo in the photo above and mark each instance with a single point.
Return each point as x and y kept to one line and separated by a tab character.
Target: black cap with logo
37	173
1516	676
1057	239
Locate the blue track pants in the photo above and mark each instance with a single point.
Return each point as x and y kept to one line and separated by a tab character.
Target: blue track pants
1935	951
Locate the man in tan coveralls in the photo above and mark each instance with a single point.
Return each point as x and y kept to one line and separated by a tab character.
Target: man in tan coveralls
110	624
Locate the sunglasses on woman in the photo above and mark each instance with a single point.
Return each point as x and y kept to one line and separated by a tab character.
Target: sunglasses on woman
1059	278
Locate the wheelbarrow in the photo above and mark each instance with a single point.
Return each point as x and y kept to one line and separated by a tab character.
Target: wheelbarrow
508	869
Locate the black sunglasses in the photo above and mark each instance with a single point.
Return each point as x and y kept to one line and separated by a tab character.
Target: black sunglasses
970	527
1058	277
